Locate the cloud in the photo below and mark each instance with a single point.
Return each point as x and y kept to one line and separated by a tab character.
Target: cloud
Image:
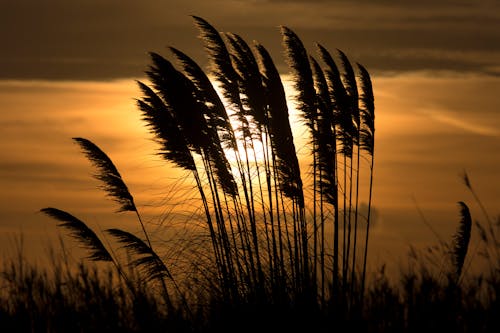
456	121
93	39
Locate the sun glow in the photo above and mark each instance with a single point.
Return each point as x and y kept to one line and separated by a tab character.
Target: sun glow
254	144
417	156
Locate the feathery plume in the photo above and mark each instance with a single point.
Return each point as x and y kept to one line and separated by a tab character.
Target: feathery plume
81	233
324	136
147	260
337	91
179	94
348	78
159	120
367	110
279	128
341	101
250	82
304	85
461	238
217	116
113	183
352	112
221	61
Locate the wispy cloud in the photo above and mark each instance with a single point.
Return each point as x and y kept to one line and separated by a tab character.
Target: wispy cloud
458	121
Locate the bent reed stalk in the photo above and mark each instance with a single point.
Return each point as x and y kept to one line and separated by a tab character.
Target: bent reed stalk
266	245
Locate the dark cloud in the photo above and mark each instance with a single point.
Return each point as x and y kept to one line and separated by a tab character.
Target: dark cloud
94	39
47	174
84	39
406	3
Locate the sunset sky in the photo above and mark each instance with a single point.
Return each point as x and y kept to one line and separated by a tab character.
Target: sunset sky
67	68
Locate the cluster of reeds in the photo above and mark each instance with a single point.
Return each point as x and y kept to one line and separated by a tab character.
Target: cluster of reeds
277	234
271	242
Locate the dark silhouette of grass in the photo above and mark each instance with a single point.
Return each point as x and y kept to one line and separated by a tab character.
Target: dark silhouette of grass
89	298
283	251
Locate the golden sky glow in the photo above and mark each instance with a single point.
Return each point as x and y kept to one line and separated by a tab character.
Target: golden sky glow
419	155
67	69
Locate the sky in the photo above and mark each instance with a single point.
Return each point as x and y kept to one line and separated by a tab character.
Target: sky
67	68
95	39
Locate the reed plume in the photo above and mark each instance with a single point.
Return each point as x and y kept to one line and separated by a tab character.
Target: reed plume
107	173
148	260
367	111
280	132
221	61
178	94
298	60
217	116
161	123
461	239
250	81
79	231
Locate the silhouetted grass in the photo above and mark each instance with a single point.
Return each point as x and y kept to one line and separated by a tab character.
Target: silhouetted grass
81	297
282	250
78	297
